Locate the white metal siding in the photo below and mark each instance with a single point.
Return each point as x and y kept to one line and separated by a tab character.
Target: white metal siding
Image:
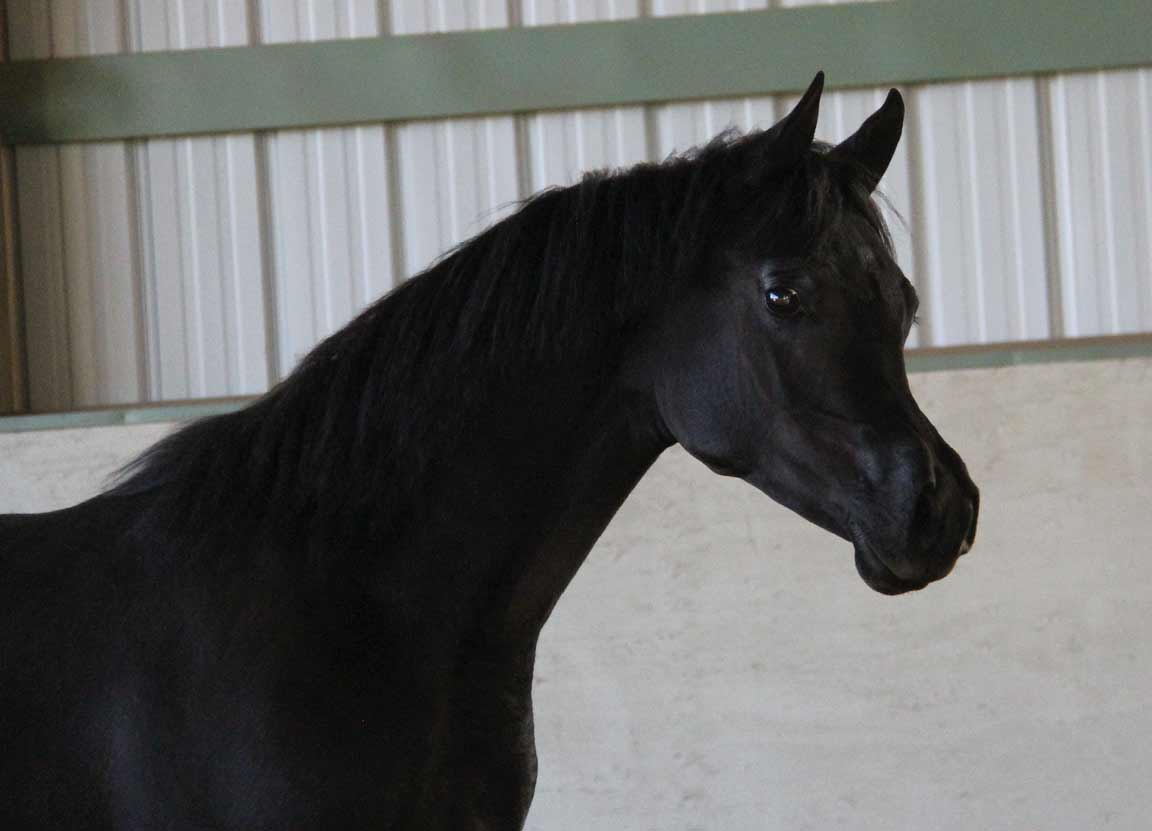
81	279
331	208
458	175
175	268
562	145
199	230
1101	140
980	226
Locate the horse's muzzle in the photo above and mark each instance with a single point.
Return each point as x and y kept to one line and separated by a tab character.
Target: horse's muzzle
943	529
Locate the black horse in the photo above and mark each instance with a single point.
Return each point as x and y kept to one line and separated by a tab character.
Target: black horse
321	611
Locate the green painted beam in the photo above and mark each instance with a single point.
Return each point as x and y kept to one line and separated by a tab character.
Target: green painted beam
561	67
990	356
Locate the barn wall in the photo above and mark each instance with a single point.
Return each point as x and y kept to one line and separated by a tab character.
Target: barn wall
717	663
163	269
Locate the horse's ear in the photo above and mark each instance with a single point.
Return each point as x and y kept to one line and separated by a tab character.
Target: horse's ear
786	142
872	146
793	135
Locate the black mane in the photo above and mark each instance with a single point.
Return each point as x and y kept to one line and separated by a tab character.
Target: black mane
562	280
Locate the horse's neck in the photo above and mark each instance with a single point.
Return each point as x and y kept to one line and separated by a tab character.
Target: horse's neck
528	495
612	456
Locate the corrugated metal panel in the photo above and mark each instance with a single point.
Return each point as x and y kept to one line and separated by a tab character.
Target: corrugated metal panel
199	239
980	221
562	146
80	273
329	197
456	176
177	268
1101	134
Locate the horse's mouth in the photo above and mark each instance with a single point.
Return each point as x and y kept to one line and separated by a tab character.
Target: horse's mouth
880	578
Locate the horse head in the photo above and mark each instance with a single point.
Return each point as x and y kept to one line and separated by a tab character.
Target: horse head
782	363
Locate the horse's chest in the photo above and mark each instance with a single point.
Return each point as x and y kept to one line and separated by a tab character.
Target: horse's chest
452	750
488	750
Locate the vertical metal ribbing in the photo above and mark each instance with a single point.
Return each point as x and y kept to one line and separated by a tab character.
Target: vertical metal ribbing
1051	221
651	126
392	161
264	227
520	129
921	275
139	227
88	288
13	363
138	231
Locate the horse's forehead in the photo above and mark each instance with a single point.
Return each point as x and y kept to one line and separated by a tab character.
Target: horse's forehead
861	253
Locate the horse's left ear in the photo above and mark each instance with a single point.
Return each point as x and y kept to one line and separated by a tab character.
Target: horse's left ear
792	136
783	144
873	145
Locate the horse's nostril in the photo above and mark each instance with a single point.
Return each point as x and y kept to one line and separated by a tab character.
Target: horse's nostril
970	536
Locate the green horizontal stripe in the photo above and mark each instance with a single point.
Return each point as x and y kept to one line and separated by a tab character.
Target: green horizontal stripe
121	416
1032	352
561	67
918	360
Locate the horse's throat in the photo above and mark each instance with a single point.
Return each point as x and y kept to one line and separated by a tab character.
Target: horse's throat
579	500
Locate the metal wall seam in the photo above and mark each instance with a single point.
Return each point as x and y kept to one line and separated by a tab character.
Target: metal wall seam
81	281
1101	125
329	198
457	176
200	243
13	365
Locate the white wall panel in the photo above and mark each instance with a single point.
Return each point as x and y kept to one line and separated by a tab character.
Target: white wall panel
1102	158
200	237
563	145
981	220
329	196
457	176
80	277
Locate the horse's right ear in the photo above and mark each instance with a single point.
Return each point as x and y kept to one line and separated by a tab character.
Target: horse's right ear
786	142
871	147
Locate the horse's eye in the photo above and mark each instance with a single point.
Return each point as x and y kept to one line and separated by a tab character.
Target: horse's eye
783	302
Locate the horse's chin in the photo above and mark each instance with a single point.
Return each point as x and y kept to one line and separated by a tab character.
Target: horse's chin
879	577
